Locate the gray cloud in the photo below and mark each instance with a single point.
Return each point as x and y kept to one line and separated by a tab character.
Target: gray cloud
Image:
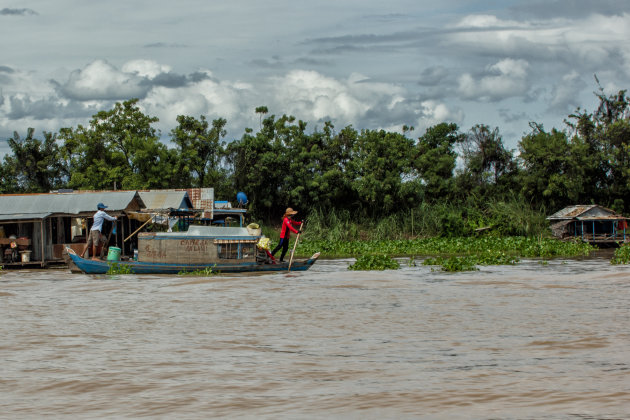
46	109
17	12
509	116
433	75
273	63
164	45
100	80
170	80
547	9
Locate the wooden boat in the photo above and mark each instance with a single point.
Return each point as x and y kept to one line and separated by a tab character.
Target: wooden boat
201	248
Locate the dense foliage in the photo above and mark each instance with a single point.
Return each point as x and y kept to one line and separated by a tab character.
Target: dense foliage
443	182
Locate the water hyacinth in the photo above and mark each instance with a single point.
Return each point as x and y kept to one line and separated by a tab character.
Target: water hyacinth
622	255
374	262
519	246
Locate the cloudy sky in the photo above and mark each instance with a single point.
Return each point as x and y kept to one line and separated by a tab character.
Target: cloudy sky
372	64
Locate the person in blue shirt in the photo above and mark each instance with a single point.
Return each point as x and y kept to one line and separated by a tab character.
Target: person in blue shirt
95	233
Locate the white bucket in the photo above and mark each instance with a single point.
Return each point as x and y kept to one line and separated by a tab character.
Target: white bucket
26	256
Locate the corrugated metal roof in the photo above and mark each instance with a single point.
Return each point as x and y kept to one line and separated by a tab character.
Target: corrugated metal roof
585	212
35	206
158	200
25	216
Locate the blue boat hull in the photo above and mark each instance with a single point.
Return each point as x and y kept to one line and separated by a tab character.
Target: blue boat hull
89	266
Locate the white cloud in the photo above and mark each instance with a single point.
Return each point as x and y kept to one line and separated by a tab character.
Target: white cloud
311	95
145	68
100	80
565	96
590	40
504	79
486	21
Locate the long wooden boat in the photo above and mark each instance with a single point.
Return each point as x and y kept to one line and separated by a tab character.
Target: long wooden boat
201	248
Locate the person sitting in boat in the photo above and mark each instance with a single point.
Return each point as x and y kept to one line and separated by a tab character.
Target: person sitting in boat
95	233
287	221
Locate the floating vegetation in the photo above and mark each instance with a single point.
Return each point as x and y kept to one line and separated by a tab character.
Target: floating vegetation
470	262
622	255
208	271
453	263
519	246
374	262
117	268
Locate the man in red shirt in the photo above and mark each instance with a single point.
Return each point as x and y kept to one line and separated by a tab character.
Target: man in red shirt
286	232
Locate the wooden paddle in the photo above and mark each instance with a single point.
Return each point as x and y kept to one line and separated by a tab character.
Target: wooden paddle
295	246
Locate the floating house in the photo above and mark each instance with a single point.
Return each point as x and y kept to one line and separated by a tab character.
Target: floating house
590	223
36	228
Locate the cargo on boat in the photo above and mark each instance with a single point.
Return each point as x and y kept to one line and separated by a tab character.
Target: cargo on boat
200	248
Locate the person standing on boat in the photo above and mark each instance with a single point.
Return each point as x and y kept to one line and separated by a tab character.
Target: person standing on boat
287	221
95	233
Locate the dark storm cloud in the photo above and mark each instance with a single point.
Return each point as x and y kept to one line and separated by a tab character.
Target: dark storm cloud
17	12
547	9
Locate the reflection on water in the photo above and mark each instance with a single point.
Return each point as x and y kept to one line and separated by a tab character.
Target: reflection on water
525	341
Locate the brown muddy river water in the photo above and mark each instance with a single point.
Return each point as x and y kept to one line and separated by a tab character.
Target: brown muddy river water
506	342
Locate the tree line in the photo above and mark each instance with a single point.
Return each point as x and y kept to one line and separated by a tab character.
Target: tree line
370	174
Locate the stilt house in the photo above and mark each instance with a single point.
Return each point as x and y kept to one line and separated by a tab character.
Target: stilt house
590	223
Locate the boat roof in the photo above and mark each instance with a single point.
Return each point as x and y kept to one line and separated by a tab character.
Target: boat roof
217	232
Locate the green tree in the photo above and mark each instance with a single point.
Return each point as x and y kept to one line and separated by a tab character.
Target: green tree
119	149
34	164
489	168
435	159
380	165
258	169
606	135
200	151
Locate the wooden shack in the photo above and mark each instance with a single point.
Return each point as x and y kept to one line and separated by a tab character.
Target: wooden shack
590	223
42	225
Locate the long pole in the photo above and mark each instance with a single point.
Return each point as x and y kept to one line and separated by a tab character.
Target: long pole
295	246
145	223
